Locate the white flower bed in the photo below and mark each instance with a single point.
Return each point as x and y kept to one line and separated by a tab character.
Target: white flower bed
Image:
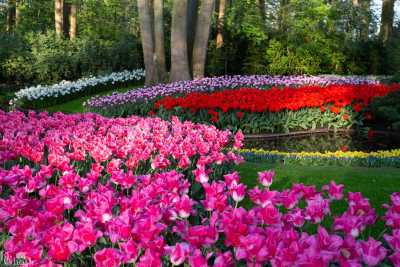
64	88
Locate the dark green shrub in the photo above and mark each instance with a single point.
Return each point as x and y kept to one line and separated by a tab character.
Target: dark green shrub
387	110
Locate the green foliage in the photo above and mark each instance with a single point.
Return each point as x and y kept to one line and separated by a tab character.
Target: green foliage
301	37
387	110
107	42
50	59
269	122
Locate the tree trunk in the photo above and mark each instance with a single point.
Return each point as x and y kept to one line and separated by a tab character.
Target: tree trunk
146	34
72	21
355	3
179	50
158	6
17	13
192	12
282	15
59	16
220	23
10	17
387	20
261	5
366	6
201	38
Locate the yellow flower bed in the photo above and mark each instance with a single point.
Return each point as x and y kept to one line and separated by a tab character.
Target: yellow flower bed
338	154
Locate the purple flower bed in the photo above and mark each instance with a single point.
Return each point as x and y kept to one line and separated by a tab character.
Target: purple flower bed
210	84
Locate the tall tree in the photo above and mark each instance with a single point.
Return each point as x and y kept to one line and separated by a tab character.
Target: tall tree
59	16
387	20
366	19
192	12
158	6
72	21
220	23
201	38
17	12
147	36
283	15
179	48
261	5
10	17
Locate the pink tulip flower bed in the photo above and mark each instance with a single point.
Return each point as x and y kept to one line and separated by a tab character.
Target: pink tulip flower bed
91	191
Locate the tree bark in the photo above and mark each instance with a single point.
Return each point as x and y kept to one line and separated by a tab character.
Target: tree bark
179	49
192	12
366	6
72	21
201	38
261	5
158	6
282	15
220	23
147	36
59	16
17	13
10	18
387	20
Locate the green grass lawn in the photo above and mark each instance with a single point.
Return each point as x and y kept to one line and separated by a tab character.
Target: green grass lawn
76	104
374	183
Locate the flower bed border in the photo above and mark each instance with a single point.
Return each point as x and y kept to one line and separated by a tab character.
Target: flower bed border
383	158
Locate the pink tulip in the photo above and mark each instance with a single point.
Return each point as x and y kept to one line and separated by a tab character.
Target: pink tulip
108	257
372	251
184	206
266	177
238	192
238	140
179	253
335	191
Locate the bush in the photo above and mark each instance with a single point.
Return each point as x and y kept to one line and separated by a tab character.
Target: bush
386	110
50	59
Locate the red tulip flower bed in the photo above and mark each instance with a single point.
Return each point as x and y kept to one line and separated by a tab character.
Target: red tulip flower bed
287	109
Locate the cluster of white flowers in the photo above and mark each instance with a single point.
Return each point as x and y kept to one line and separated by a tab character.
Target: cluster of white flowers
64	88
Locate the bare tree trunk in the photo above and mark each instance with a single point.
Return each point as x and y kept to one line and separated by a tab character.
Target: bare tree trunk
59	16
72	21
261	5
355	3
179	50
366	6
282	15
17	13
10	18
158	6
220	23
387	20
192	12
146	33
201	38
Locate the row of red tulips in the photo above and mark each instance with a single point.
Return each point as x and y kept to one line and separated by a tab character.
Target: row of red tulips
276	110
276	99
